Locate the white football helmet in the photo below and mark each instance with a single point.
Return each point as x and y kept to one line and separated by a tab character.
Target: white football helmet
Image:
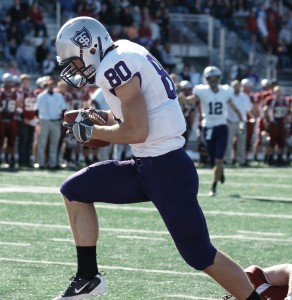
185	84
212	71
215	73
81	45
265	83
247	82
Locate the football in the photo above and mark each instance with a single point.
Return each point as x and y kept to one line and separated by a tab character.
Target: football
72	116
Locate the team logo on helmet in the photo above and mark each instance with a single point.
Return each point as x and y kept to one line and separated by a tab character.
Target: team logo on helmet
82	38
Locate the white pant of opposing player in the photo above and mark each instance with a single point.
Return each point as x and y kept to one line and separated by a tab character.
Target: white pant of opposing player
233	131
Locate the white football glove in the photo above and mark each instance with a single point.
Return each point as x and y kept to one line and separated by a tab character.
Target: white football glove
82	130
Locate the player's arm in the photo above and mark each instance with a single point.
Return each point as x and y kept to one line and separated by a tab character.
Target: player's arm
280	275
233	106
134	128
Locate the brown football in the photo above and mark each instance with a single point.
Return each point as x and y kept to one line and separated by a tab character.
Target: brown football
72	116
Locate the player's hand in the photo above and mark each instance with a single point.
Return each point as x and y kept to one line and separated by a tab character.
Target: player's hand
82	130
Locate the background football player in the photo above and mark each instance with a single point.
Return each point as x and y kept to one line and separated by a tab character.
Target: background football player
214	99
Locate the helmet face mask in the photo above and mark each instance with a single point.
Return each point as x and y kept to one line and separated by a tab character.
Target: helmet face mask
81	45
76	67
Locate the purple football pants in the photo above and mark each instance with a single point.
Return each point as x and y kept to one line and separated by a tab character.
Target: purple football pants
170	181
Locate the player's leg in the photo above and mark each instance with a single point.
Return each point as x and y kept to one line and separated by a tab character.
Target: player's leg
177	204
220	136
232	130
231	277
109	181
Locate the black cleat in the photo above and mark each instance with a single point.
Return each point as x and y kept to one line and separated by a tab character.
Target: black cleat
212	192
80	288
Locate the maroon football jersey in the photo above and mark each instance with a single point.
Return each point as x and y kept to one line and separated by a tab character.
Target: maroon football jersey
8	104
263	287
27	103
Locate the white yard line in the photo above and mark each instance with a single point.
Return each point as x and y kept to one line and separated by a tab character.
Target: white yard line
261	233
150	209
140	231
45	262
180	296
15	244
135	237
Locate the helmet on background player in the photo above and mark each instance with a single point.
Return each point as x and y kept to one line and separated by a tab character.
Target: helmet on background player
185	84
7	80
81	45
212	75
265	83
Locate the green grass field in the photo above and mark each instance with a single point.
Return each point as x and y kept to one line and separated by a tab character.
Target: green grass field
250	219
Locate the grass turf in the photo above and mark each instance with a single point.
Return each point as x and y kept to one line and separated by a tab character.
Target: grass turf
250	219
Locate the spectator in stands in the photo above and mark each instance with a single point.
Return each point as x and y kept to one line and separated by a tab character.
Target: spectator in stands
14	32
109	14
272	28
5	23
155	50
25	57
41	51
126	18
10	50
251	22
49	65
19	13
237	127
168	61
261	16
251	74
145	33
136	14
13	68
37	19
285	36
67	10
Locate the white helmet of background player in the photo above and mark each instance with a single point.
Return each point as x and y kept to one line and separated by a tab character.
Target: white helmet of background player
85	40
185	84
212	75
7	80
265	83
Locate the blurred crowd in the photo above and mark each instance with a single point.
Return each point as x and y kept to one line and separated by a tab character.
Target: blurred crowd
25	46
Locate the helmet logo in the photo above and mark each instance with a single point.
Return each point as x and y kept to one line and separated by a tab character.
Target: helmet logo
82	38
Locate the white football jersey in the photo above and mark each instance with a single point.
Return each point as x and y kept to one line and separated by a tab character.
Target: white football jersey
166	121
213	105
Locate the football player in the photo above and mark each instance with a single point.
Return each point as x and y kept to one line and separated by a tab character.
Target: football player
26	126
261	126
145	113
214	98
276	110
188	105
273	282
8	123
